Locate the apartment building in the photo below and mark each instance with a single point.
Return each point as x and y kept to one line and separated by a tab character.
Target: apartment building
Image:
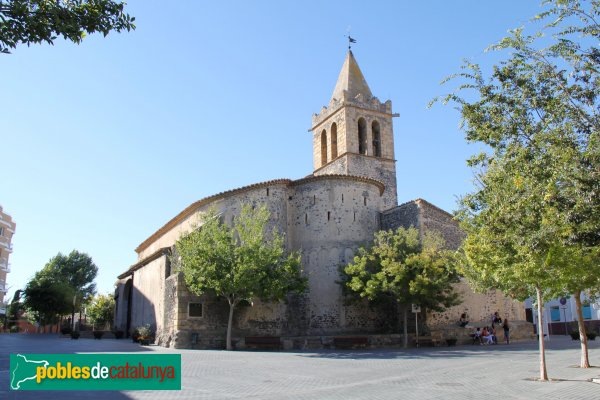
7	230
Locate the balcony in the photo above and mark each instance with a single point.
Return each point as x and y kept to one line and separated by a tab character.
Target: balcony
5	223
3	287
2	310
4	265
7	246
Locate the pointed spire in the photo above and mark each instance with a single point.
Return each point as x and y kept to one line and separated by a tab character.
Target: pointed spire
351	79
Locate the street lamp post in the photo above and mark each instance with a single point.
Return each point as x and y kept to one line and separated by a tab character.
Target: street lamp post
563	303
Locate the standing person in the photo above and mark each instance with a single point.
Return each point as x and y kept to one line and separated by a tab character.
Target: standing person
506	329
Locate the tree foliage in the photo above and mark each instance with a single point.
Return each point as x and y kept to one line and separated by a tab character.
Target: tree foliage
47	298
533	222
101	311
239	263
37	21
63	285
402	267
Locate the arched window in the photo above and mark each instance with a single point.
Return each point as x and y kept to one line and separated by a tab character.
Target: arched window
323	147
333	141
362	136
376	139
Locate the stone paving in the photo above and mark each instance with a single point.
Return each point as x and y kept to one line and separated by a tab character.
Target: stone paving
463	372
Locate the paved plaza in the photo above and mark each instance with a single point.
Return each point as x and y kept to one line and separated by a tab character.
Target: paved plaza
463	372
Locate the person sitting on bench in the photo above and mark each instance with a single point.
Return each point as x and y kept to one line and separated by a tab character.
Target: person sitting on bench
487	335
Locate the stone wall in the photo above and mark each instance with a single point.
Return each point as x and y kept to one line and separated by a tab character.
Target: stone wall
329	220
405	215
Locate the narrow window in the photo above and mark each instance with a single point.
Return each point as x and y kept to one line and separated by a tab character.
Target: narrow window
1	231
354	216
267	191
365	200
314	199
342	197
362	136
195	310
328	215
333	141
376	139
306	219
323	147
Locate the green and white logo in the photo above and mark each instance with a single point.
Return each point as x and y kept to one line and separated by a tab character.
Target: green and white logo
95	371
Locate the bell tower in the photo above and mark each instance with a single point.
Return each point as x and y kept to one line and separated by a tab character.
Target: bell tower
354	135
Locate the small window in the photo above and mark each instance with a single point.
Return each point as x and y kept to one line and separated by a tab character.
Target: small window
587	312
267	191
365	200
554	314
195	310
1	231
334	141
362	136
376	139
323	147
328	215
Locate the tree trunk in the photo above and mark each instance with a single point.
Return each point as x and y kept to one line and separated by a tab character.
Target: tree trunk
585	362
405	316
228	345
543	371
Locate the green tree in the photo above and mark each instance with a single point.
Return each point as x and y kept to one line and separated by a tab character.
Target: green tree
239	263
76	271
101	311
47	298
401	267
37	21
537	186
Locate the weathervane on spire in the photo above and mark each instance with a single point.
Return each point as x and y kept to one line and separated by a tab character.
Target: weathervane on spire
350	41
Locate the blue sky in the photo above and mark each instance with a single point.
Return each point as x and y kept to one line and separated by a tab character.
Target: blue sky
104	142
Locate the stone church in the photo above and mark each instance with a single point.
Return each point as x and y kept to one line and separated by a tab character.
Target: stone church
326	216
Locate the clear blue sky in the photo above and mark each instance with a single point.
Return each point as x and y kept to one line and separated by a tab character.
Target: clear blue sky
104	142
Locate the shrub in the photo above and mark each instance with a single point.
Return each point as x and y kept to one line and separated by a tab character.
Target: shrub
98	334
574	335
145	334
75	335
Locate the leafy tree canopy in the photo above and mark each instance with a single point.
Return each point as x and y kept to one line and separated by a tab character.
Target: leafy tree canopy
101	311
402	267
239	263
37	21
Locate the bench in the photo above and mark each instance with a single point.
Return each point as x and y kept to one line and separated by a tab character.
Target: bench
427	341
350	342
476	339
263	342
